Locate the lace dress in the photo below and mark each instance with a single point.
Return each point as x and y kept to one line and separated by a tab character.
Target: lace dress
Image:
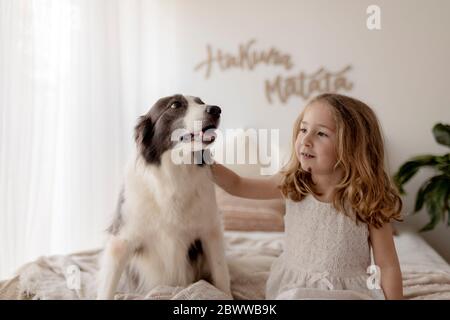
326	255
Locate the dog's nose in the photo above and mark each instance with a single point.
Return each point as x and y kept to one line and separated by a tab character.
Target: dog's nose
213	110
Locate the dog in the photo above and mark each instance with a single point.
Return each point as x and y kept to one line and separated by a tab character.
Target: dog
167	229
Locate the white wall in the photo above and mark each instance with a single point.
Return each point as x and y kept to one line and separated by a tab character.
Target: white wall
401	70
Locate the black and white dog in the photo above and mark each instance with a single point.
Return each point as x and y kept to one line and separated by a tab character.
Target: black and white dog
167	229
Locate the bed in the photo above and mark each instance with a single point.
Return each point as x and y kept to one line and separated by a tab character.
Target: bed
426	275
254	238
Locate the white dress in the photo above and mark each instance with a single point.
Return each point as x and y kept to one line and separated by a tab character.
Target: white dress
326	255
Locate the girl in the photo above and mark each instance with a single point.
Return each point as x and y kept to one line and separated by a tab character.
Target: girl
339	203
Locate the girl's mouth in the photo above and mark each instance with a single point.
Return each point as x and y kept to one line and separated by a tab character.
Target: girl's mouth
307	155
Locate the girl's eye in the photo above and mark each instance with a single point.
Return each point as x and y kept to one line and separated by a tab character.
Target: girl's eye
175	105
302	130
322	134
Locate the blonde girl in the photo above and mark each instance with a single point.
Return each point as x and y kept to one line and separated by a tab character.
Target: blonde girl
339	206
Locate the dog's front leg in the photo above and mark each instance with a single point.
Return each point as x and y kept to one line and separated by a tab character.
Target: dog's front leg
114	259
215	253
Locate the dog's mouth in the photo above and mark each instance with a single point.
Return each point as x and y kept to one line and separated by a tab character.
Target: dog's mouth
207	135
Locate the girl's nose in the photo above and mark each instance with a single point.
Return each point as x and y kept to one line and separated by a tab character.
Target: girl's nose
306	141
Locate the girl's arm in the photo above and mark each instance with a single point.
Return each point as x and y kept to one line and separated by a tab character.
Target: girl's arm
254	188
386	259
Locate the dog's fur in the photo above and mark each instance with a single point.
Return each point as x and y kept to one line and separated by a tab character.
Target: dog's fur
167	230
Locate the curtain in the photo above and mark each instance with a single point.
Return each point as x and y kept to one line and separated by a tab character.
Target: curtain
74	77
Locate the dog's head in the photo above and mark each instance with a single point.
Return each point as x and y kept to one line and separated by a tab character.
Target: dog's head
176	121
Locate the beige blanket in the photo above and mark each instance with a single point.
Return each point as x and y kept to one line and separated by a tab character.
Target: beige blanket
250	255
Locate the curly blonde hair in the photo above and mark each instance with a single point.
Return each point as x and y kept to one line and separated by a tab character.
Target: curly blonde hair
365	189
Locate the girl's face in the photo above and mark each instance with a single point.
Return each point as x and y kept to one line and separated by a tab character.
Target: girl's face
315	145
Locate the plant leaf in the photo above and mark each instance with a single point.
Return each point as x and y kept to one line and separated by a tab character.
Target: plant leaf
423	190
432	211
448	212
434	219
410	168
436	197
443	163
441	133
441	195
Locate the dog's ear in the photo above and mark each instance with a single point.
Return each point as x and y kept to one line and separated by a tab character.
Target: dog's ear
143	132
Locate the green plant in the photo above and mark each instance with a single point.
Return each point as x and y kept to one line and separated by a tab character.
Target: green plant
435	192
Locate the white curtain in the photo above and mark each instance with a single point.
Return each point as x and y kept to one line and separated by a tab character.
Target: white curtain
74	76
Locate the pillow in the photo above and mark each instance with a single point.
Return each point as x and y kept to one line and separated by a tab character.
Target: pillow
241	214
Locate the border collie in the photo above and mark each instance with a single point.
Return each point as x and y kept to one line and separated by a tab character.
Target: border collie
167	229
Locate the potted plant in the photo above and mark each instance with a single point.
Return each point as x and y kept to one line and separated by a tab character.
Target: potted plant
435	192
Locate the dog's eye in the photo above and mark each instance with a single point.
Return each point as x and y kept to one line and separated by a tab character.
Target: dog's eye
198	100
175	105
